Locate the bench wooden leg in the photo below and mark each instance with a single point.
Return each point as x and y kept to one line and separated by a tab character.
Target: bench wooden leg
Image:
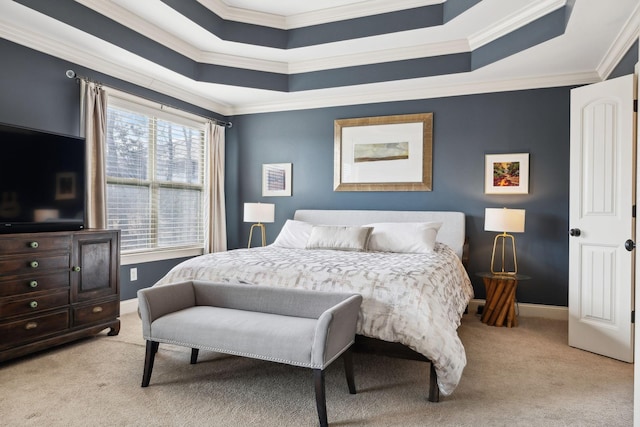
194	355
347	357
321	400
150	355
434	391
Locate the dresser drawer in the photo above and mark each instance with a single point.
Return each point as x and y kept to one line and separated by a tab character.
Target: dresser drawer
13	265
34	283
34	304
96	312
20	331
34	243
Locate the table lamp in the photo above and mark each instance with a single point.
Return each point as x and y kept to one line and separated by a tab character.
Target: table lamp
504	221
258	213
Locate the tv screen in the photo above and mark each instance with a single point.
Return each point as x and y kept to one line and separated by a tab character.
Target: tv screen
41	181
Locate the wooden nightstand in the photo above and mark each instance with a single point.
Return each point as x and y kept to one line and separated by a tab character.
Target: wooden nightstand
499	308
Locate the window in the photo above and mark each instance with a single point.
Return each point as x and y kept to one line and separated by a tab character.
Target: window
155	171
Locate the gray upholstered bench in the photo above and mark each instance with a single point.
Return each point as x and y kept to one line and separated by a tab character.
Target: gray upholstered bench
296	327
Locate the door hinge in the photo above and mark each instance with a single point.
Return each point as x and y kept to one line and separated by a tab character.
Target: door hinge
633	211
635	105
633	316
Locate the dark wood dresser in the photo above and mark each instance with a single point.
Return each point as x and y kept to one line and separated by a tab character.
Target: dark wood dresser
57	287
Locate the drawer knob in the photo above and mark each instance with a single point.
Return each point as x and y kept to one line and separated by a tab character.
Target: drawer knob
31	325
97	309
76	268
34	264
33	283
33	304
34	245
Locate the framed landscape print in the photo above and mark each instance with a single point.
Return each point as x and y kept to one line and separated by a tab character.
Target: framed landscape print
388	153
507	173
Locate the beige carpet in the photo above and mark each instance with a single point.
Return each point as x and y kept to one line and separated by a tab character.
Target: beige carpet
525	376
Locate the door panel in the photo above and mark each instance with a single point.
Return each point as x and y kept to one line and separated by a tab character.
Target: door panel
600	206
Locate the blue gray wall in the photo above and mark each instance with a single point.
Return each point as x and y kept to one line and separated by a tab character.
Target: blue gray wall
34	92
465	129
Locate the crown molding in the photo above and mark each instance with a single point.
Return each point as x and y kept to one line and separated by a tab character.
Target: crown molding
130	20
628	35
366	94
352	11
511	23
371	94
243	62
230	13
46	44
380	56
321	16
516	20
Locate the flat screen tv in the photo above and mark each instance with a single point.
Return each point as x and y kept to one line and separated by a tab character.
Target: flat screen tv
42	179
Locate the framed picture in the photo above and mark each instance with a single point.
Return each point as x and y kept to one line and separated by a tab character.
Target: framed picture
65	185
276	179
388	153
506	173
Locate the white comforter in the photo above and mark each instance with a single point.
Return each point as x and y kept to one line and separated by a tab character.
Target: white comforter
414	299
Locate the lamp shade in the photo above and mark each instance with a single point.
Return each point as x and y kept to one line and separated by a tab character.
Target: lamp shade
504	220
259	212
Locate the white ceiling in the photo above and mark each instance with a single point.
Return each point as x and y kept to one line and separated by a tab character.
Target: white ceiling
598	34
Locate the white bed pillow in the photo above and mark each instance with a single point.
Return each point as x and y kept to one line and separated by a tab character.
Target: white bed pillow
404	237
341	238
294	235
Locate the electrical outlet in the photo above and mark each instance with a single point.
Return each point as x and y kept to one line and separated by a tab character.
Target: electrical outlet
133	274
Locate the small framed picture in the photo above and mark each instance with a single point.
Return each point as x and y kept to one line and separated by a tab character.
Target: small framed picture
276	179
65	185
507	173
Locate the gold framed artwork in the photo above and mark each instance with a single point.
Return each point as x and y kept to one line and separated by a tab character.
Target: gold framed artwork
386	153
507	173
276	179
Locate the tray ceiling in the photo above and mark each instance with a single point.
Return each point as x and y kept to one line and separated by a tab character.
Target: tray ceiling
249	56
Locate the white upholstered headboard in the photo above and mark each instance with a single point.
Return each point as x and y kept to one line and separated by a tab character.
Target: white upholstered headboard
452	232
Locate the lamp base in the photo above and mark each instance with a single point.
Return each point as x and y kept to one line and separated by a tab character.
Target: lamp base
503	237
261	226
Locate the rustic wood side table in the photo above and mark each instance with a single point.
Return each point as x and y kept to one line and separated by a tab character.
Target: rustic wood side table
499	308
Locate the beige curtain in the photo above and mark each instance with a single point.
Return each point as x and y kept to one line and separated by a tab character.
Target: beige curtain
217	238
94	119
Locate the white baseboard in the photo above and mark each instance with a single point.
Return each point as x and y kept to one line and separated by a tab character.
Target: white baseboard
524	309
129	306
530	310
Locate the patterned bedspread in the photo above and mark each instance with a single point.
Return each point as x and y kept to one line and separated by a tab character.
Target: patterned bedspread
414	299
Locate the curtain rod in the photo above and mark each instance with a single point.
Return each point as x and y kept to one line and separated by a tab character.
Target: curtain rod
72	75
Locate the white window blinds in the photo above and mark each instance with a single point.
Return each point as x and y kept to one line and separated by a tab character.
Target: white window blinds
155	178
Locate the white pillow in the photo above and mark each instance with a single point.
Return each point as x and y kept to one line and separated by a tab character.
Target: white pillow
294	234
404	237
339	238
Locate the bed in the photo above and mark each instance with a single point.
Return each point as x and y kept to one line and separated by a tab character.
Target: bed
407	265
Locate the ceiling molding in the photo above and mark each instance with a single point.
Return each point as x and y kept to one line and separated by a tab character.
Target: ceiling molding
50	46
153	58
504	27
513	22
243	62
229	13
367	96
127	19
628	35
323	16
380	56
45	43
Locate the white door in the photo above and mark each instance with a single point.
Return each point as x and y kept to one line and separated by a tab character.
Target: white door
602	184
